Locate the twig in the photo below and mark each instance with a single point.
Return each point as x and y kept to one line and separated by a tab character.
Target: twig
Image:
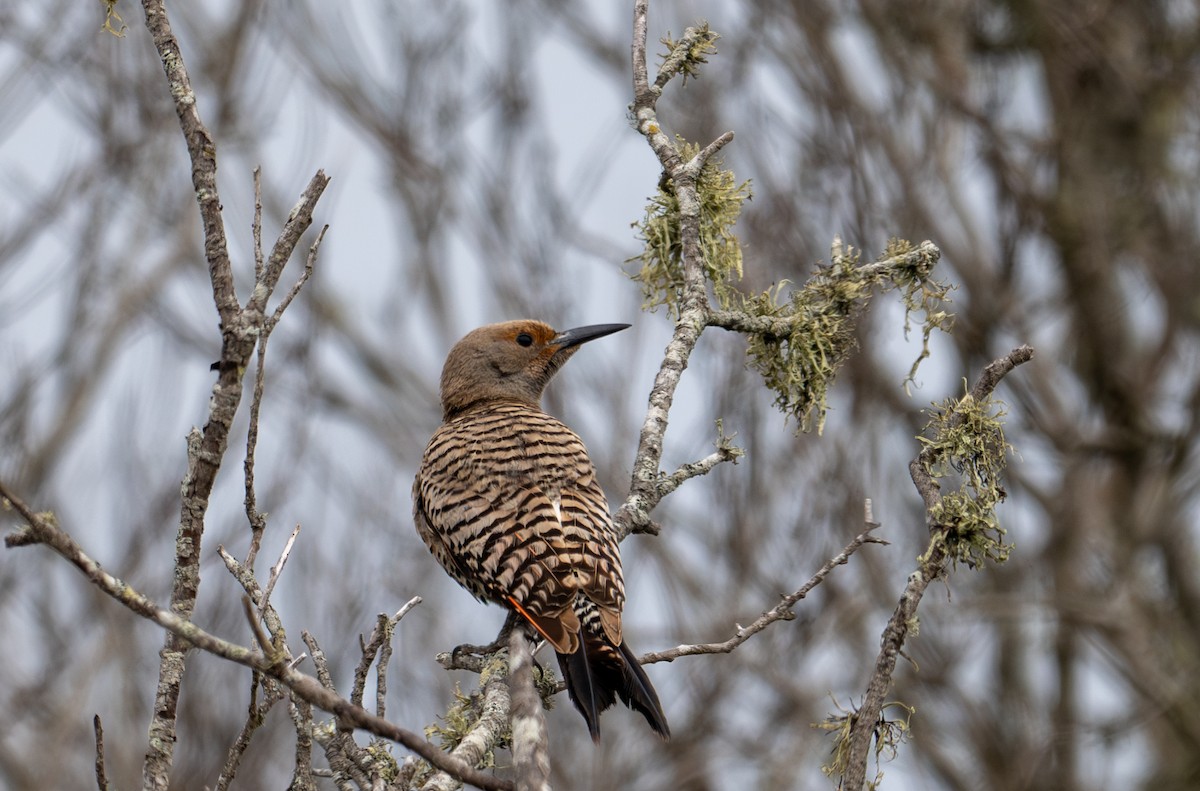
931	567
256	225
530	744
348	761
246	578
298	221
310	262
368	649
302	773
101	774
257	520
277	569
255	717
780	612
385	657
261	637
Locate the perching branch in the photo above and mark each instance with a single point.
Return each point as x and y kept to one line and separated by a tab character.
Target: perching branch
931	566
490	726
530	742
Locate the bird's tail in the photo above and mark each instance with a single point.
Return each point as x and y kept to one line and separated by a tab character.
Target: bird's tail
598	671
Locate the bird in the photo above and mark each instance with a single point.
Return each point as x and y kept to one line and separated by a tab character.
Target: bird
506	499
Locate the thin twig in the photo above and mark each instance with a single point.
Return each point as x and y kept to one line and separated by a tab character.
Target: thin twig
256	226
258	522
385	657
245	577
256	716
302	773
277	569
298	221
348	761
780	612
368	649
101	774
310	262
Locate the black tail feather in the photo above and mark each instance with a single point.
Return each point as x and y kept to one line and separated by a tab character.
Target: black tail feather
597	672
638	693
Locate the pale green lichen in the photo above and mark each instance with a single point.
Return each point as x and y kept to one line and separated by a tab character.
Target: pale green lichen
812	334
889	735
965	440
383	764
661	273
465	712
690	52
112	15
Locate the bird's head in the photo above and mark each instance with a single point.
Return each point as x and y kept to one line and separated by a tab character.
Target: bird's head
510	361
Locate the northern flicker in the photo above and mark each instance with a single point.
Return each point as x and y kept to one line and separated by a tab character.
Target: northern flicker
507	501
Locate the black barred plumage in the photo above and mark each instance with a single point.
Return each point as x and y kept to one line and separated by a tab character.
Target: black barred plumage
508	503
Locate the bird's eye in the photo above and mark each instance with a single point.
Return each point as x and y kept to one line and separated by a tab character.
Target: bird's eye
525	339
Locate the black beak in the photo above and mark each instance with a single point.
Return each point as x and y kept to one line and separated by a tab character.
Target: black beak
569	338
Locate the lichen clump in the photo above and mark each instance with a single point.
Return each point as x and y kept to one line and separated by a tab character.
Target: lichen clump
966	440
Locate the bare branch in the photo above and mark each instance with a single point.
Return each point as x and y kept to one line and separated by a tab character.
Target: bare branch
203	153
238	329
780	612
277	569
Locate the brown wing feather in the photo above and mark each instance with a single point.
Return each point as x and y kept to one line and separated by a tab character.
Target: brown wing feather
507	501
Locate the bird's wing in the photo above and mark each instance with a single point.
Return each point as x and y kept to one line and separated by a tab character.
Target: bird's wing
517	517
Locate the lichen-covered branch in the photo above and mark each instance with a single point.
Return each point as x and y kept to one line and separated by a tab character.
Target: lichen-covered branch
693	298
530	742
932	565
477	725
797	342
